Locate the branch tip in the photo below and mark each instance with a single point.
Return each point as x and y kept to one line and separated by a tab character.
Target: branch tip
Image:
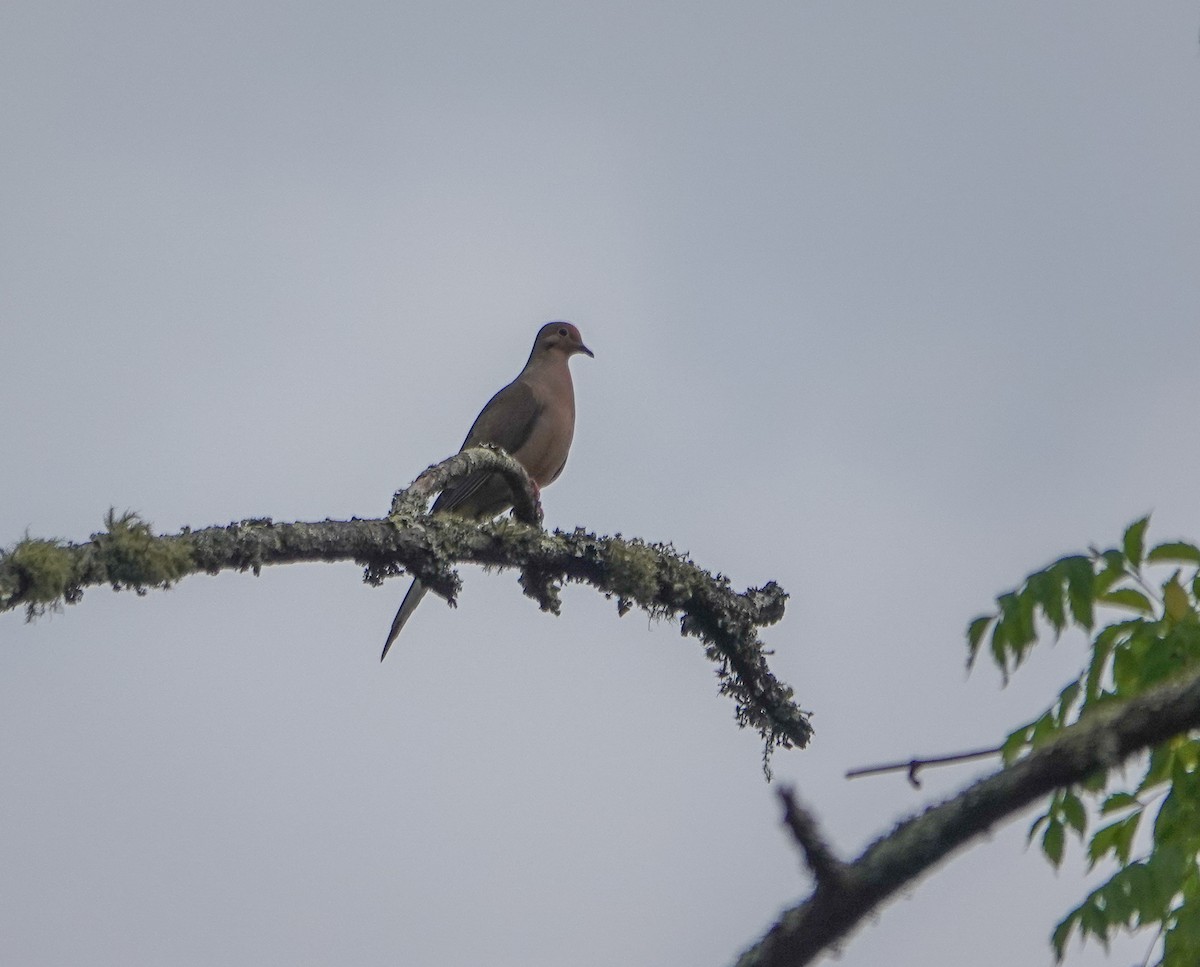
826	868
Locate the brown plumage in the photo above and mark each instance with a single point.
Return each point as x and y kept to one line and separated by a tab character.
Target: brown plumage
533	419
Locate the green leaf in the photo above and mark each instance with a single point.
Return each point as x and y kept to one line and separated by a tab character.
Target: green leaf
1161	881
1035	826
1141	892
1000	648
1181	944
1127	599
1158	771
1175	599
1129	660
1043	589
1184	781
1053	841
1114	560
1081	581
1158	657
1073	812
1026	611
1179	552
1013	747
1127	830
1092	920
1184	640
1062	934
975	632
1051	599
1187	756
1016	617
1118	801
1115	838
1119	905
1135	540
1102	843
1101	651
1066	701
1107	578
1043	729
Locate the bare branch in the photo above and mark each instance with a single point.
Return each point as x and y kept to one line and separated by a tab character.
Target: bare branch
826	868
1103	739
913	766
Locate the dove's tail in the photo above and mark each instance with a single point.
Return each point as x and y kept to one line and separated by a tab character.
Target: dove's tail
407	607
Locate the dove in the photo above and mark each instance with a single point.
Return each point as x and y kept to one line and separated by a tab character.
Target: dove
533	420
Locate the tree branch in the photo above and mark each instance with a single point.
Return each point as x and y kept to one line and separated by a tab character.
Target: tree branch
826	868
44	574
1102	740
527	505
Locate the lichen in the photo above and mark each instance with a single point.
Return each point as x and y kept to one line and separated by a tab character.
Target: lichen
133	557
38	574
634	570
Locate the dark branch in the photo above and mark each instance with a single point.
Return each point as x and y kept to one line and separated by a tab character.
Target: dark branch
42	574
826	868
913	766
1103	739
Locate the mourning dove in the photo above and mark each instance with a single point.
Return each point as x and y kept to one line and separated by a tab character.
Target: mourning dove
533	419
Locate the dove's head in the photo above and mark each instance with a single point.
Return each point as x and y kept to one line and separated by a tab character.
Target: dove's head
560	337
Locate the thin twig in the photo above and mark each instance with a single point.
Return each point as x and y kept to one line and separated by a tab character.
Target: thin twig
912	766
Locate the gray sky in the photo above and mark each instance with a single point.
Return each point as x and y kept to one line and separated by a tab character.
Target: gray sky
890	303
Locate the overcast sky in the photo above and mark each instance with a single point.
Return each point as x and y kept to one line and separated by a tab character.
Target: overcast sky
891	303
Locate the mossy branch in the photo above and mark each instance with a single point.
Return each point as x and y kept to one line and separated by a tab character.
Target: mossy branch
1101	740
42	574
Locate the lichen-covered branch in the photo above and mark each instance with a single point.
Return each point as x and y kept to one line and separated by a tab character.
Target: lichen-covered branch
1101	740
527	506
38	574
